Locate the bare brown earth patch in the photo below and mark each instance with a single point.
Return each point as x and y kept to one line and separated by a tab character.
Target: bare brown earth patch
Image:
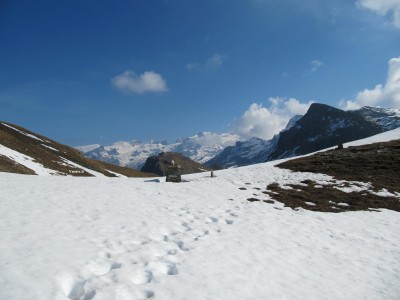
329	198
10	166
377	164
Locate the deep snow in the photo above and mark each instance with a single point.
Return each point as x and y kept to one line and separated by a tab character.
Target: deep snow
124	238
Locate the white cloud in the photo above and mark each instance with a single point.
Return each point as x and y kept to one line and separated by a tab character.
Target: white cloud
315	65
193	66
213	63
348	104
259	121
387	94
383	8
149	81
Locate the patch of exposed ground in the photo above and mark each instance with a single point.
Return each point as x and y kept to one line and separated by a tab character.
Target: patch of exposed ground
10	166
328	198
377	164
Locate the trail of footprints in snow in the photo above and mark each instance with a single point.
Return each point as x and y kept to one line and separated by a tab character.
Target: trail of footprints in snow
135	265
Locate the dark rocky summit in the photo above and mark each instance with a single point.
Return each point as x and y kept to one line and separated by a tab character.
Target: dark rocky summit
322	127
159	164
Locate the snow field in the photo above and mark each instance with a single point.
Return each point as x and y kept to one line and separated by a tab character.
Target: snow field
120	238
123	238
83	238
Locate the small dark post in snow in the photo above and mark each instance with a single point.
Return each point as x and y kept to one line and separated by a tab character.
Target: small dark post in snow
173	173
212	173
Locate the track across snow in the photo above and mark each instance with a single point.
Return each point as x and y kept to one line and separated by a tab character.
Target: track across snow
123	238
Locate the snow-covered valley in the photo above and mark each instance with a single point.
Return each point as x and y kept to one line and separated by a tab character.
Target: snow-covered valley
134	238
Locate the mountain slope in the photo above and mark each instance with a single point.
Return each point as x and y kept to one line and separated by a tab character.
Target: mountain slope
248	152
386	118
23	151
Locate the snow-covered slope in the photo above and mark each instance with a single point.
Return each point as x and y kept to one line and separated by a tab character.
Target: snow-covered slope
243	153
119	238
200	148
387	118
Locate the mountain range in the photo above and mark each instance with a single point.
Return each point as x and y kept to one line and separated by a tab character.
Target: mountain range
26	152
200	147
322	126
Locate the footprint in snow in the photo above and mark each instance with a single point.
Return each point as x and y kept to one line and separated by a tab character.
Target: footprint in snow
164	267
142	277
101	267
211	220
145	293
71	285
171	243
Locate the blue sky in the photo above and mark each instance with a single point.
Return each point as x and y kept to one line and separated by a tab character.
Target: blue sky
84	72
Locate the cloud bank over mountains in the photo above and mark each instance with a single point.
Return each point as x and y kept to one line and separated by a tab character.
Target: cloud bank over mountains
262	122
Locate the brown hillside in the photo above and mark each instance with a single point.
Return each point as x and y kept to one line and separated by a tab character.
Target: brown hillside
377	163
52	155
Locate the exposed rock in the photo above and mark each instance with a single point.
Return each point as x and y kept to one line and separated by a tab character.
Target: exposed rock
159	164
